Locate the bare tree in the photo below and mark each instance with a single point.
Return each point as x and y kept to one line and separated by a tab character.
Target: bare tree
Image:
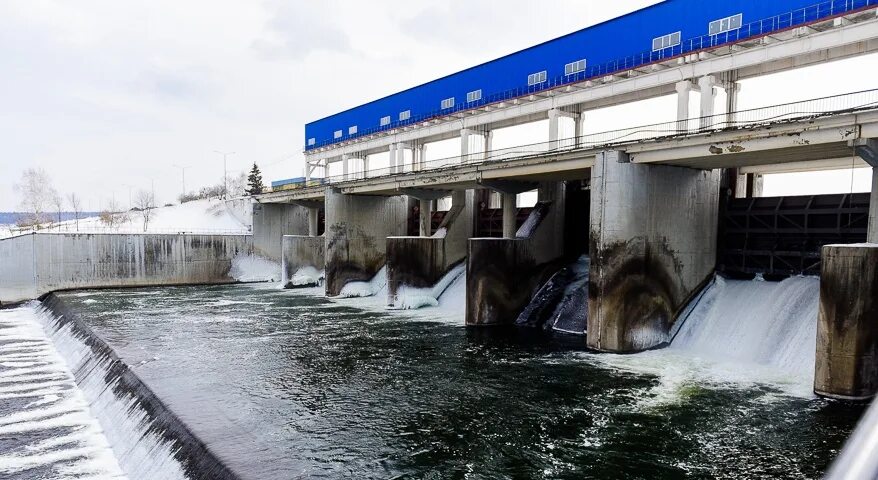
75	206
58	204
111	216
144	202
36	192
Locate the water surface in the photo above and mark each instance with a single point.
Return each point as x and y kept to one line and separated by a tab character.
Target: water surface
283	384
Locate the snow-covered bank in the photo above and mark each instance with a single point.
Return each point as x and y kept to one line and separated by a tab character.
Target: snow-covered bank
212	216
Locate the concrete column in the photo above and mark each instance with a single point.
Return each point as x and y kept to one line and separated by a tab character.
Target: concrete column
307	171
426	217
489	143
732	90
365	166
509	214
313	221
271	221
847	323
344	166
707	86
872	232
423	156
652	237
400	157
464	144
357	227
416	157
683	89
554	115
392	164
577	129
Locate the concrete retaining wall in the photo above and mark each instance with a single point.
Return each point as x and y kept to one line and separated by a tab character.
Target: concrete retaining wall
36	264
504	273
420	262
301	253
357	227
652	244
271	221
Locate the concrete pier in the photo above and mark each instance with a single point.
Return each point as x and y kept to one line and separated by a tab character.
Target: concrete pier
271	221
357	227
847	323
304	261
420	262
652	244
504	273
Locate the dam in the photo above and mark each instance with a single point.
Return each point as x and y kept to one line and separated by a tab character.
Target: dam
601	304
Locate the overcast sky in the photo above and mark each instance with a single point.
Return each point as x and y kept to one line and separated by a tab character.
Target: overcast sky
109	95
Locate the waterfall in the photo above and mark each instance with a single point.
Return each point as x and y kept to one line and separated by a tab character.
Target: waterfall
148	440
767	323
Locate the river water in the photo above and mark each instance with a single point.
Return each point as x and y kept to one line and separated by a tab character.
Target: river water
287	384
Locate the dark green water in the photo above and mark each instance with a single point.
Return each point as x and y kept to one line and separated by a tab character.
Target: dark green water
285	385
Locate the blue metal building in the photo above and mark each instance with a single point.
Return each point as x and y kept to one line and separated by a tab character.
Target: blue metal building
655	33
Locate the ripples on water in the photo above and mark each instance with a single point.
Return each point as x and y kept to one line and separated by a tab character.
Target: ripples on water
284	384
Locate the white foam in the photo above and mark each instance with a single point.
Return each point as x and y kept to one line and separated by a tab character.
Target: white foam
373	287
740	334
253	268
308	275
413	298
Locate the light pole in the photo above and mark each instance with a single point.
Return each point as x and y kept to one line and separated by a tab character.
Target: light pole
225	172
183	171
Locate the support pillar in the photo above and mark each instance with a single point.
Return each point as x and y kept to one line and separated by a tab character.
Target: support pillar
683	89
554	116
464	144
577	129
872	232
707	86
313	221
357	227
847	323
509	214
365	166
271	221
344	166
732	88
652	244
392	163
426	217
489	143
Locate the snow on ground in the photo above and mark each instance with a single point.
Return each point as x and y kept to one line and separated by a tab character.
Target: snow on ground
198	216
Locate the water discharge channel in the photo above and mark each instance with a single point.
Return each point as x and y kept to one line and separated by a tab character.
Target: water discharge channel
269	383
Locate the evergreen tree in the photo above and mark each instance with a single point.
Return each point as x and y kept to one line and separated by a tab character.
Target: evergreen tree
254	181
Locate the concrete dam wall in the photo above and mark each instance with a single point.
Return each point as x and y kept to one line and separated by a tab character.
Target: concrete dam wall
35	264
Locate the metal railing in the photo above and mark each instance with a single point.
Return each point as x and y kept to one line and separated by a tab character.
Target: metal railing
15	232
751	118
752	30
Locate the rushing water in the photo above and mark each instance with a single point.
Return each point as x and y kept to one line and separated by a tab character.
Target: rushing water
47	429
283	384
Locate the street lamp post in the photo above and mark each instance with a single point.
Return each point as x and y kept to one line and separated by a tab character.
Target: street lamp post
183	171
225	172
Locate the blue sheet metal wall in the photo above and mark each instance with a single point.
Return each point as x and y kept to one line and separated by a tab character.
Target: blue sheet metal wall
617	44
